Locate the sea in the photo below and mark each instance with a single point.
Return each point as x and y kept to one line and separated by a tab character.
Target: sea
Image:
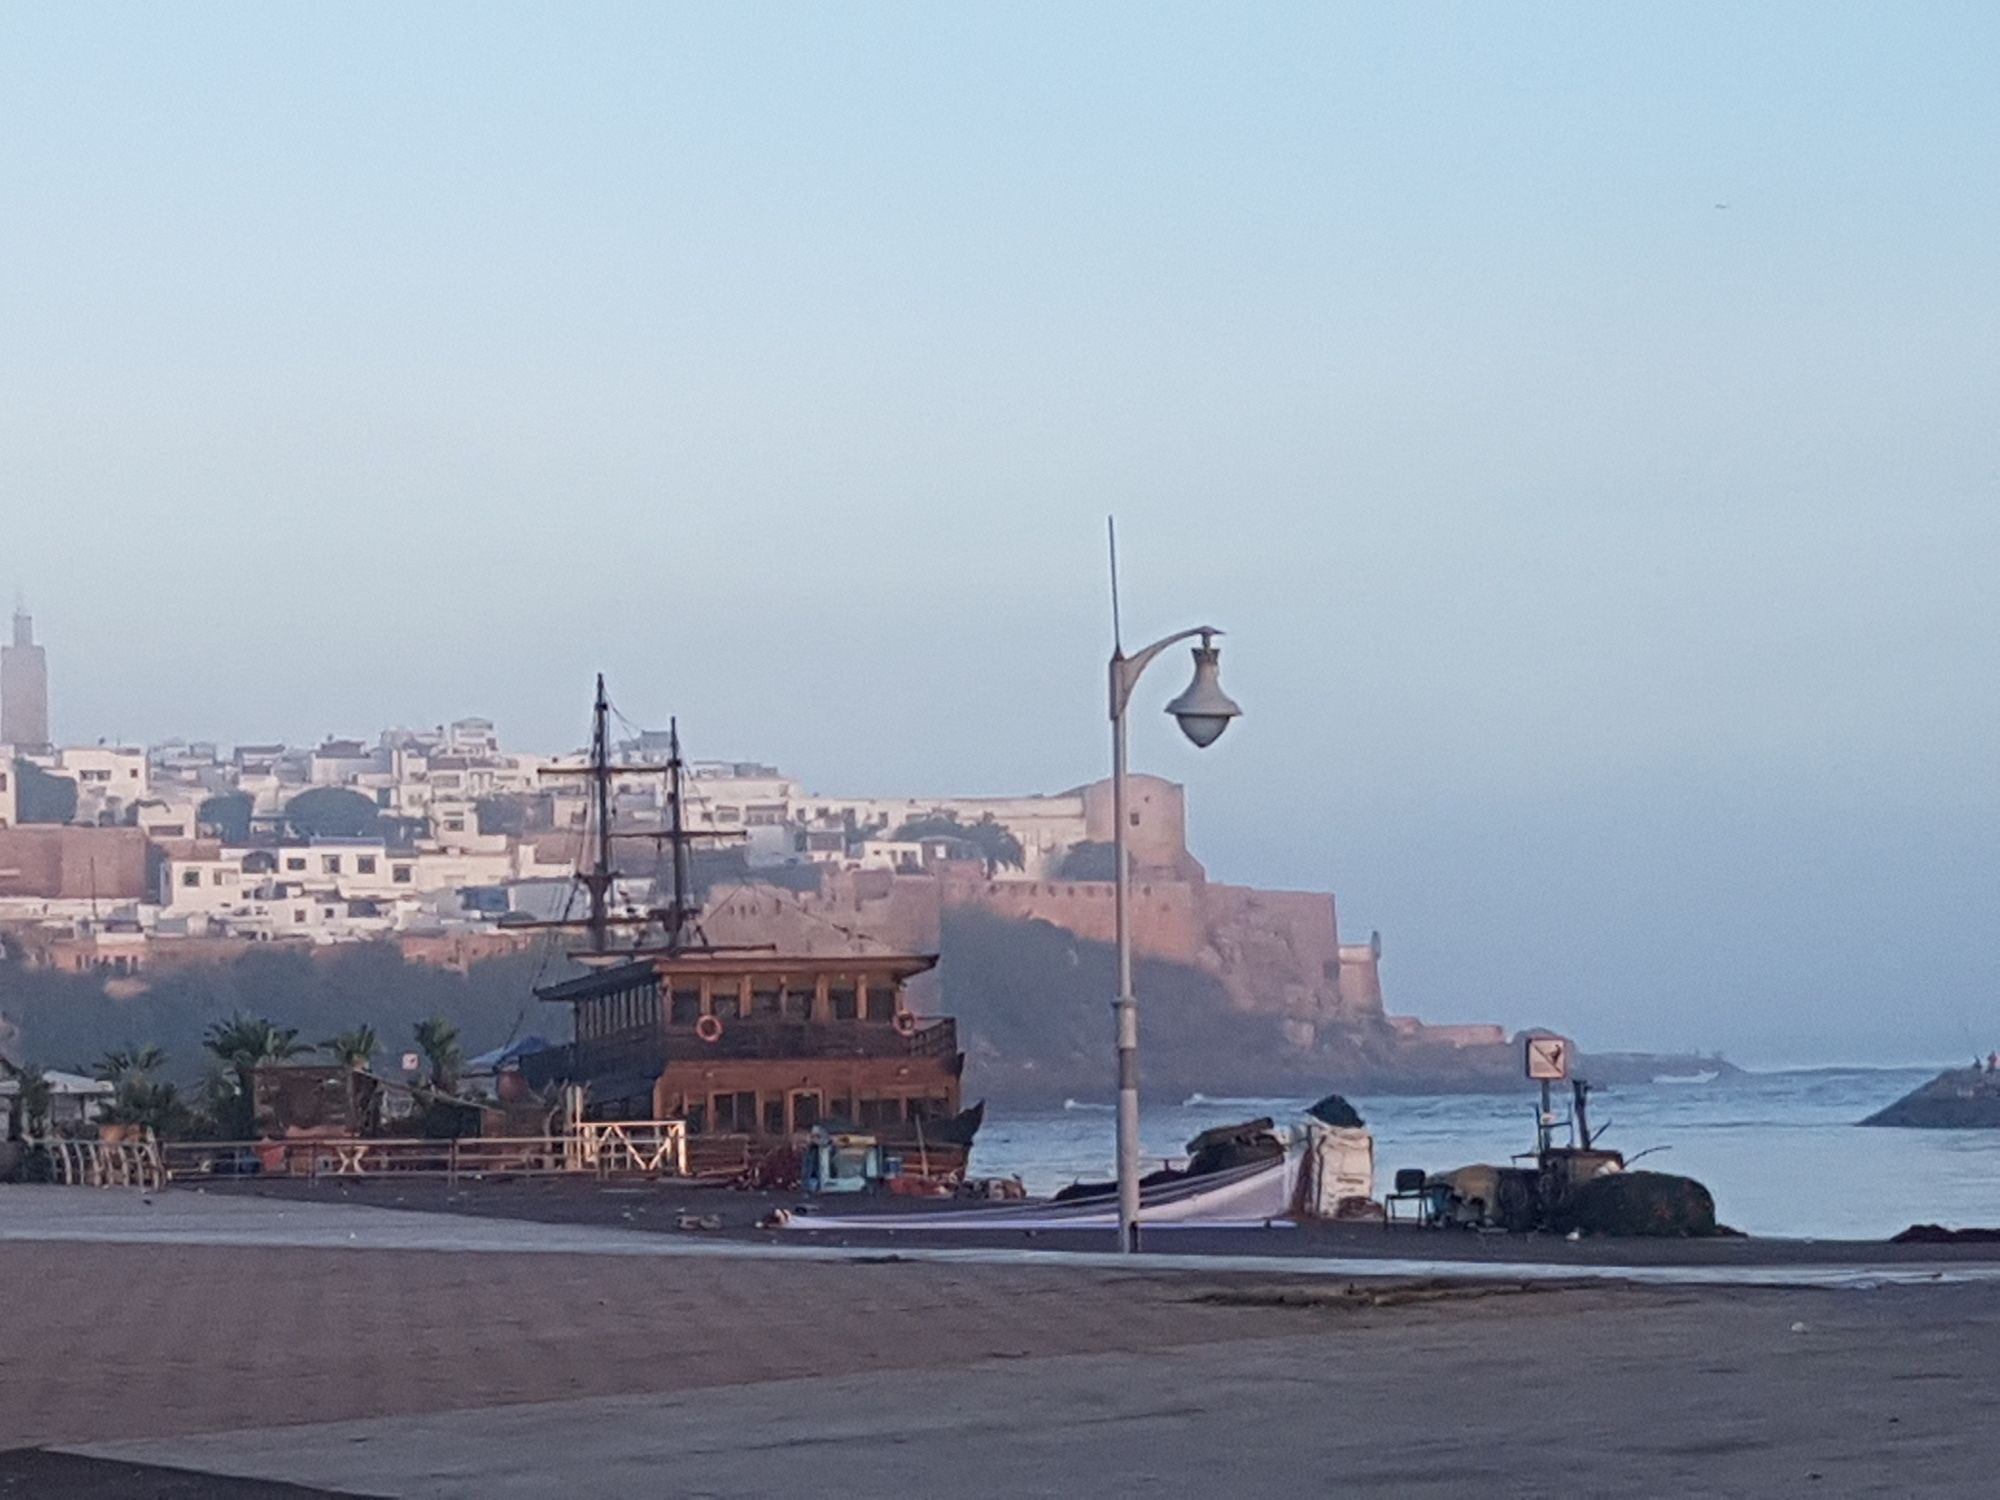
1782	1152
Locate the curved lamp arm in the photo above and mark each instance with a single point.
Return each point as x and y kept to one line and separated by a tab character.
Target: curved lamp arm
1125	669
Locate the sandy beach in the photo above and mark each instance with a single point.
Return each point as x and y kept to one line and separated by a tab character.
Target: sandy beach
353	1350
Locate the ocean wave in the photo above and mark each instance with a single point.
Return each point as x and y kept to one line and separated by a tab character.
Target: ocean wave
1265	1106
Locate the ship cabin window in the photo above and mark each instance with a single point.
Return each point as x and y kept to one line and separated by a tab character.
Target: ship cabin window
766	999
774	1115
878	1112
928	1109
844	999
725	1001
736	1114
686	1004
797	1002
696	1116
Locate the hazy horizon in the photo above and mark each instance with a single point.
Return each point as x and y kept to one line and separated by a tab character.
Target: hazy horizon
1581	422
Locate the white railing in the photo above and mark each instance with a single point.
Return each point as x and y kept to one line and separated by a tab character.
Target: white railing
656	1147
104	1163
653	1148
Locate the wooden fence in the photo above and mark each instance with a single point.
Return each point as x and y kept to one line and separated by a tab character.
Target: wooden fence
618	1148
105	1163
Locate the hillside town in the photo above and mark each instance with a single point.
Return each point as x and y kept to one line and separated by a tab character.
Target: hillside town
445	843
453	847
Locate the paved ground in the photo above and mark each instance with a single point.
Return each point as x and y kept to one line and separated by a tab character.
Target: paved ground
330	1353
658	1206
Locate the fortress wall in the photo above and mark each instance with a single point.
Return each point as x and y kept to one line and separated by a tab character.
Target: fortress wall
63	862
1156	824
1167	920
865	910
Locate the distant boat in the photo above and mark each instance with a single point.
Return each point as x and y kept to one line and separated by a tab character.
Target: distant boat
1085	1104
1708	1077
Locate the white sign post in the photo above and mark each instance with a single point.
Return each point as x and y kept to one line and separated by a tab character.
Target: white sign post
1548	1058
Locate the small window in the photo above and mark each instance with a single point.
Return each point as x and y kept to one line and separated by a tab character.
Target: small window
454	825
329	864
686	1006
217	878
736	1113
774	1115
764	1001
298	914
191	877
726	1004
364	864
295	862
399	874
846	1004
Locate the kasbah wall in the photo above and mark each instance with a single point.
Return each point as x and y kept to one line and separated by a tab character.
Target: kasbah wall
1276	953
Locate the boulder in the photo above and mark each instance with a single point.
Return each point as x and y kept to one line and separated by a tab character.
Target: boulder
1657	1204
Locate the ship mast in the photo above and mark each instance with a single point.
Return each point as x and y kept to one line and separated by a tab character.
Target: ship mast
597	880
680	919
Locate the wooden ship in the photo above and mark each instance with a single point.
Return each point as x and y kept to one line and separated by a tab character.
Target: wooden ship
750	1047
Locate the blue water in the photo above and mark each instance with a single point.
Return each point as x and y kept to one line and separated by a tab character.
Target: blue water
1780	1151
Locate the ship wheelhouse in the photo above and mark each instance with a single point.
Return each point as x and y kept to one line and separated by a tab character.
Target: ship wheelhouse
761	1044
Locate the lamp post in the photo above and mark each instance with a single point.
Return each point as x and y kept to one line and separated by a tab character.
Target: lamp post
1203	712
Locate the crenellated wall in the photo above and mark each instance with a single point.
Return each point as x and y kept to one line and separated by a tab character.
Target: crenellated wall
1277	954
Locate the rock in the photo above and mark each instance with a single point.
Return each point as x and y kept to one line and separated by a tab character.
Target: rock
1637	1203
1957	1099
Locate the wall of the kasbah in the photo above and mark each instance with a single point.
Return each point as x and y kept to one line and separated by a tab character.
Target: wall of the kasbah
1277	953
1167	915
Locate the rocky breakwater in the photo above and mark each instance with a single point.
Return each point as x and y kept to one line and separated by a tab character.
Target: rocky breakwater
1957	1099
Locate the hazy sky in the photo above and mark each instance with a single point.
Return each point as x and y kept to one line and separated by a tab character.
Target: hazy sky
1609	573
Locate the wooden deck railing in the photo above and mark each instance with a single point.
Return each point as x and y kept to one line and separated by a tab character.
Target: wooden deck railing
616	1148
78	1163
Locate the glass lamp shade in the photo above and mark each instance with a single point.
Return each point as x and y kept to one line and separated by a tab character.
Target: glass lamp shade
1204	710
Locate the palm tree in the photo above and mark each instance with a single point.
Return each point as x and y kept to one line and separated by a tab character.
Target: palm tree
129	1062
353	1051
243	1043
437	1039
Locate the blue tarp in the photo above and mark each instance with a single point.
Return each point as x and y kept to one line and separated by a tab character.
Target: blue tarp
501	1057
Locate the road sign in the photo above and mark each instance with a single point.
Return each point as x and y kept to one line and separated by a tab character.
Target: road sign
1548	1058
411	1062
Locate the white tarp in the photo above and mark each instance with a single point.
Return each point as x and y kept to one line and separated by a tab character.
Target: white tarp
1255	1194
1339	1163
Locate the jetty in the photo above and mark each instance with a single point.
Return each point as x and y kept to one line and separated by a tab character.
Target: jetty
1957	1099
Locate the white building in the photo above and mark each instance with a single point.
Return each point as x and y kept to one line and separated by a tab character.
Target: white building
109	778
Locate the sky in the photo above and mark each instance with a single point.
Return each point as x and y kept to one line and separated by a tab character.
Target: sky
1580	418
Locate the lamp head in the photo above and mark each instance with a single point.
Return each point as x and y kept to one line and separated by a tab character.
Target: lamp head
1204	710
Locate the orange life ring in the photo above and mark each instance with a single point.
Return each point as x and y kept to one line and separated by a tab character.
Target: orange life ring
906	1023
709	1029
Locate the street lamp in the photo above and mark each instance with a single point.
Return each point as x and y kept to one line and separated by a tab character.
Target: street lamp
1203	712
